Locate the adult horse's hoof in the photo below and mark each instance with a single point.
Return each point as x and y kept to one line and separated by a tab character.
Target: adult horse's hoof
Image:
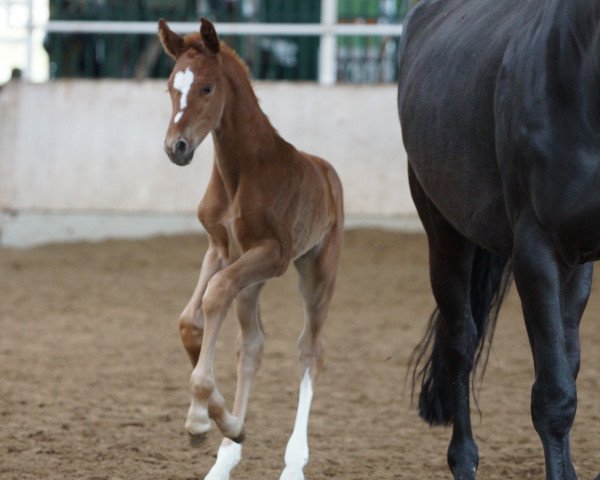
468	473
597	477
197	439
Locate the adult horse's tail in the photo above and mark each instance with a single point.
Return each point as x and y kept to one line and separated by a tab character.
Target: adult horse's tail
490	278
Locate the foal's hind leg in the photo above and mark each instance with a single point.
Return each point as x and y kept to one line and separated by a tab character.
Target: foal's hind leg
317	271
250	343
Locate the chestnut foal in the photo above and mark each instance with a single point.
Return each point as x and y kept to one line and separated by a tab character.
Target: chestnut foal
266	205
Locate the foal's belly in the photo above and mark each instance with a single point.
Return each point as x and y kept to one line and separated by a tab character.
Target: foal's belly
231	246
307	237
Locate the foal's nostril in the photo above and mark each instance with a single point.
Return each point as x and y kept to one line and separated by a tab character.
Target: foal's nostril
180	146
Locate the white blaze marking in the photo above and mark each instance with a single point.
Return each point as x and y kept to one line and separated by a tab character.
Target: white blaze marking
183	82
228	456
296	453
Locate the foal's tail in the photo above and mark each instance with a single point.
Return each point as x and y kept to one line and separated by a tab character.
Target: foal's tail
490	278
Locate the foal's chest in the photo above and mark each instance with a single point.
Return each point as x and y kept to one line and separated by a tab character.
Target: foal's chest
225	234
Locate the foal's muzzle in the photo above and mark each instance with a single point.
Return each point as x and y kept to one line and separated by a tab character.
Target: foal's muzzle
179	151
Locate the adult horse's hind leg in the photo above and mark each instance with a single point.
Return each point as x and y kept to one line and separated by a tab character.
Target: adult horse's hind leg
542	277
450	258
576	297
250	343
317	272
458	273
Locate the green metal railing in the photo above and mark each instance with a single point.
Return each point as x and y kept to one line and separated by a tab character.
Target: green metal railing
103	55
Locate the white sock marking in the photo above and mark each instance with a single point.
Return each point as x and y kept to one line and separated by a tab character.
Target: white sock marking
296	453
228	456
183	82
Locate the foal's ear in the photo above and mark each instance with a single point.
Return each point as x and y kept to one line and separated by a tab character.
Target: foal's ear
172	42
209	36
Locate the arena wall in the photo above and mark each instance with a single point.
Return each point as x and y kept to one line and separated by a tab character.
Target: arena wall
72	150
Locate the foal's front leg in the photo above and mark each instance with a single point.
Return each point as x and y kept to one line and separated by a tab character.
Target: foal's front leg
191	328
257	265
250	343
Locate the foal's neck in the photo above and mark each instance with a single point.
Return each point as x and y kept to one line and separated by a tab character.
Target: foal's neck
244	135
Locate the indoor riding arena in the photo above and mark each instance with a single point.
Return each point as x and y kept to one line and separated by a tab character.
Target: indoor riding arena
101	249
95	381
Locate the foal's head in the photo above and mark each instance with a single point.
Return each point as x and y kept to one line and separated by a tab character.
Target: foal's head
196	89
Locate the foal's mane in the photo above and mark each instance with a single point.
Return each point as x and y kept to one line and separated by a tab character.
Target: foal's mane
232	54
238	72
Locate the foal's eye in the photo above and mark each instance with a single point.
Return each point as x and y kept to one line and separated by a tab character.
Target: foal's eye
207	89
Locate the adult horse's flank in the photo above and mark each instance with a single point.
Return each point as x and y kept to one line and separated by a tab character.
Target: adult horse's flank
499	103
266	204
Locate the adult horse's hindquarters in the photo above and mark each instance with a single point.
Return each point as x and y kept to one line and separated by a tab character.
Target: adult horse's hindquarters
499	103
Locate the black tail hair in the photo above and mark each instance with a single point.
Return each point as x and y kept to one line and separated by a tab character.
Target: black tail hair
490	279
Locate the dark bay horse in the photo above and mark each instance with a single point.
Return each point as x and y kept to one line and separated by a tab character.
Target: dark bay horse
499	103
266	205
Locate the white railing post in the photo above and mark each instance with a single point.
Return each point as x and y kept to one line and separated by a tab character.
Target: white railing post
27	74
327	48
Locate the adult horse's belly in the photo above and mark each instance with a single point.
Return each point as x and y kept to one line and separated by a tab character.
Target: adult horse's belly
451	56
469	196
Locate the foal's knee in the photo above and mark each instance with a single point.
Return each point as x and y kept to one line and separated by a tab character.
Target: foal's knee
191	331
201	386
553	407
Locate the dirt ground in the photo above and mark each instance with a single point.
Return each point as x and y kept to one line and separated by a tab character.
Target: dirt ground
94	381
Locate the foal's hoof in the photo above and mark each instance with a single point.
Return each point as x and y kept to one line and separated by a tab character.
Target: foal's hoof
197	424
598	477
197	439
232	428
240	438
